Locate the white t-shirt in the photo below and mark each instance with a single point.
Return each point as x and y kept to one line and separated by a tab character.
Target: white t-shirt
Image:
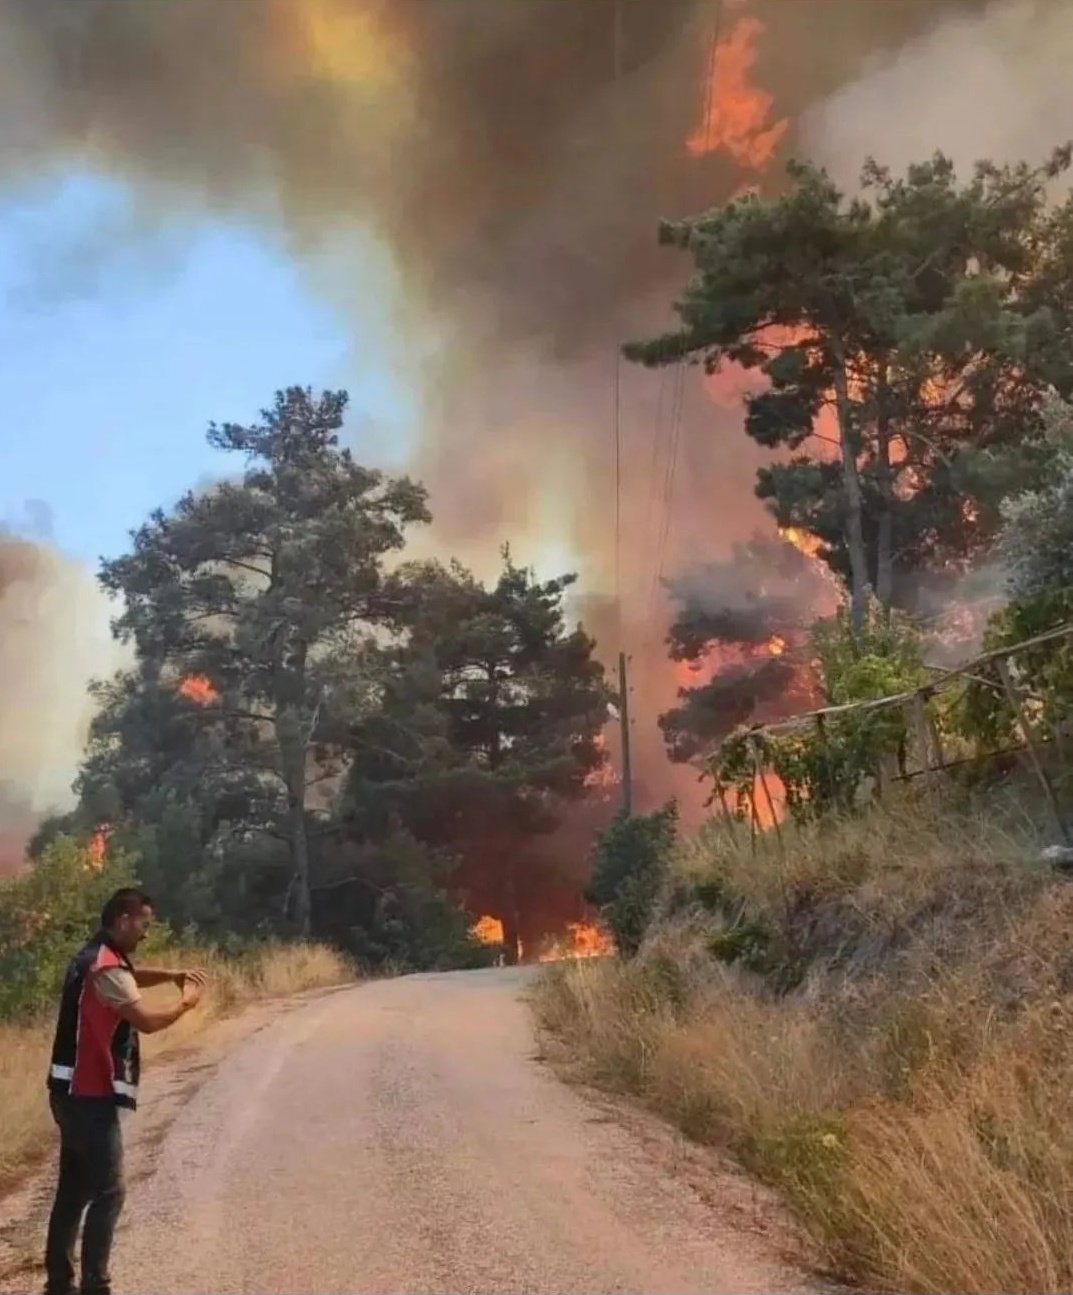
116	986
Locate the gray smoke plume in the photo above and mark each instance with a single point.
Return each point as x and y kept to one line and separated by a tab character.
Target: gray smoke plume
486	178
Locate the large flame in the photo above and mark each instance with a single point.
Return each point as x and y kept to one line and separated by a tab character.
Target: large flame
580	940
737	114
488	930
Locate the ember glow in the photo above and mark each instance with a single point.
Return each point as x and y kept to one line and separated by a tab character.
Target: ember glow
198	688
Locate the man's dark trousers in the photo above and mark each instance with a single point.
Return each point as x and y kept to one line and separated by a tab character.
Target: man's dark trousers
91	1175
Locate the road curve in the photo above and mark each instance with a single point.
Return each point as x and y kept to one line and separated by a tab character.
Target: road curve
401	1137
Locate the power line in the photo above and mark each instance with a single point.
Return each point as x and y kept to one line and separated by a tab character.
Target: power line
709	89
677	402
657	441
616	426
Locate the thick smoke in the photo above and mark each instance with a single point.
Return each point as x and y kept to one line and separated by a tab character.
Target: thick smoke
509	163
977	84
54	639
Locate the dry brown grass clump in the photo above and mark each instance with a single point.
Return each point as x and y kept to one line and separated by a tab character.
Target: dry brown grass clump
910	1094
275	971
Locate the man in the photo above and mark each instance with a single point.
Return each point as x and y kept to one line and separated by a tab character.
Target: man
92	1076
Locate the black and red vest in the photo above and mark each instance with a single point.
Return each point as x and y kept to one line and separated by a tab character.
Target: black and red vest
95	1052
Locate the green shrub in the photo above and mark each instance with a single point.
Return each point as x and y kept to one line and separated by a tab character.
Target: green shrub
631	868
46	913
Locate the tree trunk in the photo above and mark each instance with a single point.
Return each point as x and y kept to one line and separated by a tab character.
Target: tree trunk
510	917
293	733
858	563
292	753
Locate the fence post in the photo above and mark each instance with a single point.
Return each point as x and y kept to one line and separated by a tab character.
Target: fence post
1013	696
761	777
920	724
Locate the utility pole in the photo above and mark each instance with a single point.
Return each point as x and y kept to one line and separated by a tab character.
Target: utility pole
624	721
623	685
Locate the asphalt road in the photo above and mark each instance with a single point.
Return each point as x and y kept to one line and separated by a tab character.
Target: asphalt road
402	1137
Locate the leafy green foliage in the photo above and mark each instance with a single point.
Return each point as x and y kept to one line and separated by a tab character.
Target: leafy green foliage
631	867
267	591
392	908
822	767
490	714
925	318
1035	545
46	913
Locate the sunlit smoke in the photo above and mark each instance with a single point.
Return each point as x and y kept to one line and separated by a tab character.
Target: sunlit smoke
478	187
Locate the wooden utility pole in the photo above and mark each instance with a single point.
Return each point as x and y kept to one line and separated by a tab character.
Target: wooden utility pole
624	721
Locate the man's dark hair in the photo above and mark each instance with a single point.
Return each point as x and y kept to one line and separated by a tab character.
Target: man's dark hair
125	902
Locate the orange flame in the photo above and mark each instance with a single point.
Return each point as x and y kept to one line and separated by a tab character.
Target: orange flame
488	930
736	116
199	689
605	774
805	543
776	645
767	815
97	846
581	940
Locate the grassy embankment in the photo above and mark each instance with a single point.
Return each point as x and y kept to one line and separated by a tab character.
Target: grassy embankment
909	1092
273	971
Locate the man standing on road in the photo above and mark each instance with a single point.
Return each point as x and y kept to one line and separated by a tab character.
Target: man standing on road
92	1076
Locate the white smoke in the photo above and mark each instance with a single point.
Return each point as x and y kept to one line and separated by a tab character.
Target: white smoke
992	85
54	638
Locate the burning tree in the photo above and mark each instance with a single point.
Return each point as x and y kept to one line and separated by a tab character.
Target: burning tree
488	728
741	636
901	336
251	608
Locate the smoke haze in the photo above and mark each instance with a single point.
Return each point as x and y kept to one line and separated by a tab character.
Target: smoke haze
991	84
54	639
493	174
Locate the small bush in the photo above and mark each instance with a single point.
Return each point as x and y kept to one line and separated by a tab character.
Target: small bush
45	913
631	868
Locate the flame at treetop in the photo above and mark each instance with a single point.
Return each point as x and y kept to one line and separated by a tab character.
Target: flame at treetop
199	689
736	118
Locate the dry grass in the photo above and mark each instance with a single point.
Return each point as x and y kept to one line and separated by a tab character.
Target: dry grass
910	1096
271	972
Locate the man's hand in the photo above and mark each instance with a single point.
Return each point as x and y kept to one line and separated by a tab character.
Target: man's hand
192	975
191	992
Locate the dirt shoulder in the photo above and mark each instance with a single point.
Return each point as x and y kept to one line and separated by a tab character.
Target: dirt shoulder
169	1083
